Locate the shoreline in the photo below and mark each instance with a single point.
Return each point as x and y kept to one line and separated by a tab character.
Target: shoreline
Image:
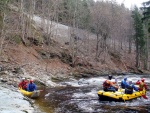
12	100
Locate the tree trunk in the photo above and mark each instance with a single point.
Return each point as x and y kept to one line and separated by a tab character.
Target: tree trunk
137	53
97	45
22	22
130	45
2	35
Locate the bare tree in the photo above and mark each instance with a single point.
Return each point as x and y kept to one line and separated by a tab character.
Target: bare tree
3	31
22	19
3	8
101	23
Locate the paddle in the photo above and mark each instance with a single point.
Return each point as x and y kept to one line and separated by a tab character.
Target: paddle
117	83
144	96
120	89
41	90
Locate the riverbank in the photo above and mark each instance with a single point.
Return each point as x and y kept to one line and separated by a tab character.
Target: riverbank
12	101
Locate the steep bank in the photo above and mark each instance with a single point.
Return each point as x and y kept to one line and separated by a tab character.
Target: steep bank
45	57
13	101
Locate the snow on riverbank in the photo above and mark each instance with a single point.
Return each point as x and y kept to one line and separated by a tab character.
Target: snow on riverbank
12	101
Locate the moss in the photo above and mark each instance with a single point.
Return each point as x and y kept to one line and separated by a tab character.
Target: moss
17	39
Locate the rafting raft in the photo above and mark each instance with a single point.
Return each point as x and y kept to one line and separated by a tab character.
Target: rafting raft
34	94
119	96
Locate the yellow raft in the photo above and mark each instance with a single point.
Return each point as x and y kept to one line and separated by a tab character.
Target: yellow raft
119	95
33	94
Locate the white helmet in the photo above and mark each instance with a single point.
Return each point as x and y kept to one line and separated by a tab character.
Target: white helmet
130	82
23	78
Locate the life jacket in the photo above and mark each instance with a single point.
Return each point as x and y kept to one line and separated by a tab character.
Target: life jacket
141	85
129	89
106	84
31	87
123	84
24	84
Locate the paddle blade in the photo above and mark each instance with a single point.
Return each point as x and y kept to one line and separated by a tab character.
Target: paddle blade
41	90
144	96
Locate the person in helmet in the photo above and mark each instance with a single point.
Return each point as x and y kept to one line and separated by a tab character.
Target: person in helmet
130	87
110	77
23	84
109	86
31	86
141	84
124	83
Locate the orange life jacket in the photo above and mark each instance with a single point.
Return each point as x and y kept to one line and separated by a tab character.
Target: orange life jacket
106	84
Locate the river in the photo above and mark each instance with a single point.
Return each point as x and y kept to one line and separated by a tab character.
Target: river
80	96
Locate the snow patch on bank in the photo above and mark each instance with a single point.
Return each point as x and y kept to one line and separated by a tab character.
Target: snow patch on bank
13	102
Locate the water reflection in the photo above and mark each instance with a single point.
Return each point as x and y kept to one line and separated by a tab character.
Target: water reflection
81	96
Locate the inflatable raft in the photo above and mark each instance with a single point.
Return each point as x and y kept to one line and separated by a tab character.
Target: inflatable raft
33	94
119	95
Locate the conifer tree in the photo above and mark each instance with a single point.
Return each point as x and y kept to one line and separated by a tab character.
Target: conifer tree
139	34
146	22
146	13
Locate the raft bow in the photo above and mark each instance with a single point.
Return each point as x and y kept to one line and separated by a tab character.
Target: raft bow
119	96
33	94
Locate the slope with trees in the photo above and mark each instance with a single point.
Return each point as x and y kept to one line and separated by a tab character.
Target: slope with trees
102	35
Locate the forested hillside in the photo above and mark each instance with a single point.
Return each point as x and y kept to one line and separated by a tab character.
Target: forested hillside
63	37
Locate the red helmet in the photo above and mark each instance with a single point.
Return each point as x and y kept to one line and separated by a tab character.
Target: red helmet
31	81
142	79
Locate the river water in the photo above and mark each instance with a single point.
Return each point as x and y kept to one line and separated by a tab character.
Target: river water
80	96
